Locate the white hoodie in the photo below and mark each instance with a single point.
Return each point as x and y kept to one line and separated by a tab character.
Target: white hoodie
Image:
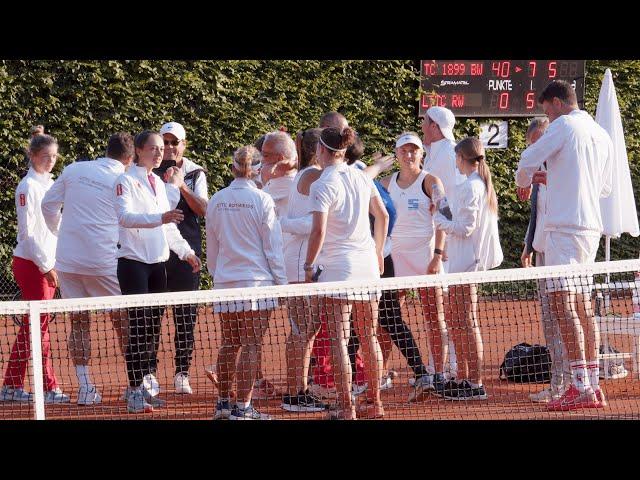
143	237
35	241
244	239
88	237
579	156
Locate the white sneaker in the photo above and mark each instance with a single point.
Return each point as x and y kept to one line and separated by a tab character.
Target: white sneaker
88	395
359	389
181	382
151	385
386	382
322	392
56	396
546	396
127	393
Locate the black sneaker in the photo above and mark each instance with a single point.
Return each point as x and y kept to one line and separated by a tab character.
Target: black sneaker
439	386
464	391
303	402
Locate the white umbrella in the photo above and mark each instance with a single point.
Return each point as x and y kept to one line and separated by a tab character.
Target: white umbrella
619	209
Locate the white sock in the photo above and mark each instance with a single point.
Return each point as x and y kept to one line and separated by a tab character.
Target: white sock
474	385
82	371
579	375
243	405
593	367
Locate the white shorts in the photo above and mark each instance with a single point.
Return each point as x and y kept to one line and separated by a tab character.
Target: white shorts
294	256
411	255
77	285
358	266
569	249
245	305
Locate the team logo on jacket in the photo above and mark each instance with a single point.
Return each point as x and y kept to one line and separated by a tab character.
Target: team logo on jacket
119	189
23	200
413	203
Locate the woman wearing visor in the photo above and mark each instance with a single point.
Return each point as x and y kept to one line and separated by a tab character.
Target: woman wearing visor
244	250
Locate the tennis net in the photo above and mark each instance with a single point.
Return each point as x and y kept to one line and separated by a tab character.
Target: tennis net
261	333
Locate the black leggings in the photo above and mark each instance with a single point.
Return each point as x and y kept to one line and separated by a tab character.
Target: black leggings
144	322
390	319
180	278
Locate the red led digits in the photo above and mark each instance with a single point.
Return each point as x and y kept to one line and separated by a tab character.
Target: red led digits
504	101
532	69
530	100
476	69
552	69
501	69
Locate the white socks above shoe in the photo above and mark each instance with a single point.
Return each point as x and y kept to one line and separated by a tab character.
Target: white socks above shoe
580	375
593	367
243	405
82	371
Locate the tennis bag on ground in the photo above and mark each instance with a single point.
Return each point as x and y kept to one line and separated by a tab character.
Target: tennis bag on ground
526	363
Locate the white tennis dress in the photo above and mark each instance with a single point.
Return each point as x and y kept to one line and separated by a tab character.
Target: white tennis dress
297	224
413	233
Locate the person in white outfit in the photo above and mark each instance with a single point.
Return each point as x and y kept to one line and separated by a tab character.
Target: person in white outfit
244	249
417	246
147	232
34	272
534	243
473	244
440	161
87	246
342	199
579	155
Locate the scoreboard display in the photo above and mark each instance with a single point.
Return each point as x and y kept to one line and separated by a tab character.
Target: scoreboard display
494	88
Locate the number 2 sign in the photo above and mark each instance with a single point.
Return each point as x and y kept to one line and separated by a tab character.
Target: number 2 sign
495	134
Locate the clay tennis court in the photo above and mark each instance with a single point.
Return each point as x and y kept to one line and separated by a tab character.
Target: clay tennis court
503	323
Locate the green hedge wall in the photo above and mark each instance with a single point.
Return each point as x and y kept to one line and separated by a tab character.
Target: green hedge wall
225	104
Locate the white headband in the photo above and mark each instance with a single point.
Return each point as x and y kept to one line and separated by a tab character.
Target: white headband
331	148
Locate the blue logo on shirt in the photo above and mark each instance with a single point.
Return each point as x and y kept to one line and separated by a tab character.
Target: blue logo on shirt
413	203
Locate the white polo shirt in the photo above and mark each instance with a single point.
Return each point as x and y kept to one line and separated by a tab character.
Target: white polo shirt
35	241
440	161
200	187
143	237
579	156
244	239
88	237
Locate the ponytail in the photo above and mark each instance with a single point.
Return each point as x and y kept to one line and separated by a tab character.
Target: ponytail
472	151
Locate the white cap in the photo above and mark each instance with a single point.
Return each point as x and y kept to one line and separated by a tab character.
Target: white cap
409	138
445	120
175	129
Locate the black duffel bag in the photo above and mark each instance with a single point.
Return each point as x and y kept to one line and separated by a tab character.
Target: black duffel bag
526	363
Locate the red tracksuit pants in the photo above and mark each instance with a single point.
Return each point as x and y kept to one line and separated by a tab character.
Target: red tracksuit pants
34	286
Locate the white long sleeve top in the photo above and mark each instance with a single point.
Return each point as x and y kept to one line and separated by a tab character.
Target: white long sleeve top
244	239
88	236
579	156
35	241
473	242
440	161
143	237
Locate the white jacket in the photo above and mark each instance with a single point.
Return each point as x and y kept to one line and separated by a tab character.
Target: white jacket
440	161
244	239
579	156
35	241
143	237
473	242
88	237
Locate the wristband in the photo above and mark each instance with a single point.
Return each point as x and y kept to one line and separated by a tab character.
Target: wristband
437	251
308	267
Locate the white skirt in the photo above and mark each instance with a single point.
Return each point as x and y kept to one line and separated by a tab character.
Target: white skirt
411	255
245	305
295	253
362	265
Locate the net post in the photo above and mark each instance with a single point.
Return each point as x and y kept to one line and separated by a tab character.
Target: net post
35	336
607	253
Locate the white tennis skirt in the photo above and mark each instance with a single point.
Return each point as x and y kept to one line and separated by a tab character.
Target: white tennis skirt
248	304
295	253
356	266
411	255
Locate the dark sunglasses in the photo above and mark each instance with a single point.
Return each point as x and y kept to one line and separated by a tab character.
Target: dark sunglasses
173	143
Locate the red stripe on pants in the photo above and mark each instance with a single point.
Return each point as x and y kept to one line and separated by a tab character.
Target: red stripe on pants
34	286
323	372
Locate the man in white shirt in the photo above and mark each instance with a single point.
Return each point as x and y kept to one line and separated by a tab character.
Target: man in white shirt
87	245
187	191
578	155
534	243
440	161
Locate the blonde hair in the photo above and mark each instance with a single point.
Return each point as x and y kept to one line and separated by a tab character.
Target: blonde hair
243	159
472	151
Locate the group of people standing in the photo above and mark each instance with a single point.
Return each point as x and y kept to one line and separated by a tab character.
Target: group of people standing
308	210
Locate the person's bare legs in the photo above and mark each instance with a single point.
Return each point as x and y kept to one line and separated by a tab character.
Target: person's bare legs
338	313
251	330
120	322
365	323
475	358
228	353
305	326
433	308
386	346
564	309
